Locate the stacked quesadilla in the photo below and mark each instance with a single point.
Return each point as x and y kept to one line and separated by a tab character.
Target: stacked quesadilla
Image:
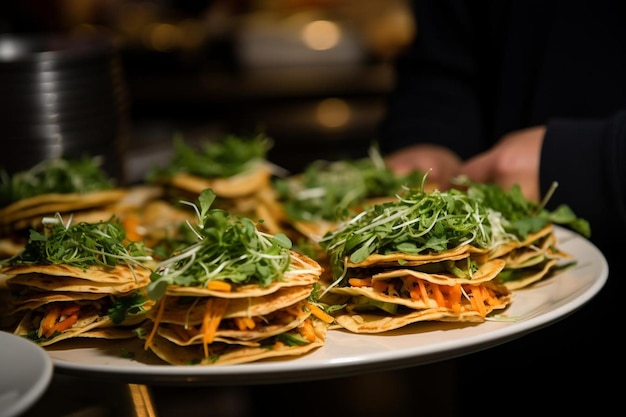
328	192
427	256
52	186
76	280
534	254
308	205
234	167
236	295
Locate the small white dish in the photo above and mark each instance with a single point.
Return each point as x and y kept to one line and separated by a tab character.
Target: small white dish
26	373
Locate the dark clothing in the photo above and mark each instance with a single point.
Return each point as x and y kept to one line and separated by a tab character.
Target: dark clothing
480	69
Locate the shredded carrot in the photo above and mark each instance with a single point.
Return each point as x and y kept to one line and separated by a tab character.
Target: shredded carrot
423	291
360	282
155	322
380	286
219	286
50	319
441	302
320	314
307	331
213	313
63	324
70	309
454	298
479	302
244	323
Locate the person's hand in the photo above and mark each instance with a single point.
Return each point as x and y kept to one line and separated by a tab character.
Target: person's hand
440	161
513	160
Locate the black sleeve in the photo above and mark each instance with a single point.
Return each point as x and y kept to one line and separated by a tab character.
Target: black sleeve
588	161
436	96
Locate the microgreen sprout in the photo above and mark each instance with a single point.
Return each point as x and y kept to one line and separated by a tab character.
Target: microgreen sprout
54	176
417	223
332	190
81	245
229	248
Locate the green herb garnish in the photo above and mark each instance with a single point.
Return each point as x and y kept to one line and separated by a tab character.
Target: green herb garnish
220	158
81	245
124	306
524	216
420	222
54	176
332	190
228	248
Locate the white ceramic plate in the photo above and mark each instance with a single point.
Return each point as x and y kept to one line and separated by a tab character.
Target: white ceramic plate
349	354
26	373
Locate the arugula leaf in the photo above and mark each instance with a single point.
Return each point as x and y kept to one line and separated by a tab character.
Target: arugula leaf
228	248
525	216
121	307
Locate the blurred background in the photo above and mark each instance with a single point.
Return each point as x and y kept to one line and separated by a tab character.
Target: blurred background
312	74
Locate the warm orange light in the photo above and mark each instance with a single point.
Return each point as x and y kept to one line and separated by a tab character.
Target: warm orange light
321	35
333	112
163	37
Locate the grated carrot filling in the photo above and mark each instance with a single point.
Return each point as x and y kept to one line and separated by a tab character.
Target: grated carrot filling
48	322
441	302
307	331
219	286
213	313
155	323
320	314
244	323
58	318
454	298
382	286
65	324
360	282
478	301
423	291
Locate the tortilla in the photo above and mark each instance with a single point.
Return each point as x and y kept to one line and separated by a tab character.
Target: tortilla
524	277
237	186
418	300
506	248
190	310
229	354
376	323
49	204
63	283
394	259
268	325
119	274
